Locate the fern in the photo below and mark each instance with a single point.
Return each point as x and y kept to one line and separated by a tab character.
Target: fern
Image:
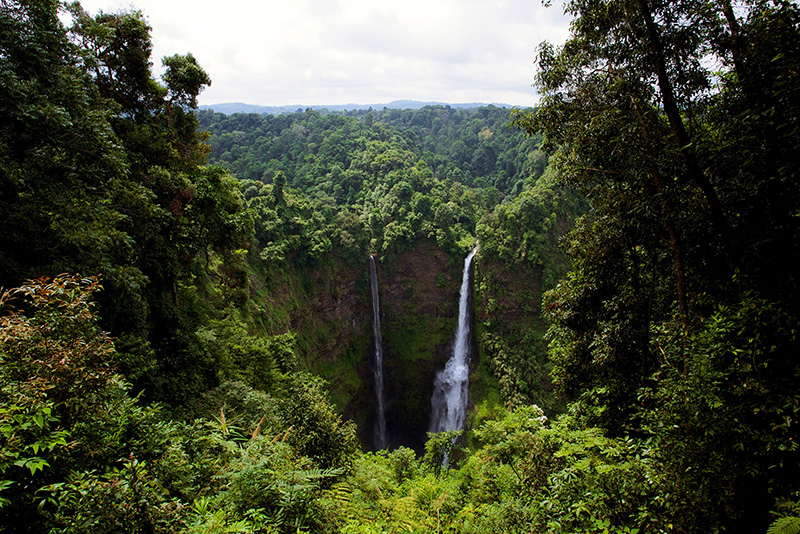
341	492
404	512
785	525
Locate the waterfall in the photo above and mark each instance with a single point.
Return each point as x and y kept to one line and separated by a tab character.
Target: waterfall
451	386
380	423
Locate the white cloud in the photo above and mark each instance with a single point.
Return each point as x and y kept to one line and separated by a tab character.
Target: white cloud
307	52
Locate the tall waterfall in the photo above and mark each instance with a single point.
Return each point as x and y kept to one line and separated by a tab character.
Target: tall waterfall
451	386
380	423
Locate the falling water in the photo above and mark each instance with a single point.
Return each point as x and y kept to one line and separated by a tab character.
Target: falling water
380	425
451	386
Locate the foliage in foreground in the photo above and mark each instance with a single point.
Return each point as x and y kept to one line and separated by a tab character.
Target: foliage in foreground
79	454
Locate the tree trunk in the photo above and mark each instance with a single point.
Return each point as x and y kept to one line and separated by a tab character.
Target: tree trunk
681	135
674	237
735	41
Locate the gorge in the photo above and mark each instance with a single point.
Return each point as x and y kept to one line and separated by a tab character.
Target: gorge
218	356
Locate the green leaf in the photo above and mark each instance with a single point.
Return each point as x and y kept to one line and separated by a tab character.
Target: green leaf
785	525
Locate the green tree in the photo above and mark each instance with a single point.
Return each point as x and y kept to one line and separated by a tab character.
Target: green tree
58	382
185	79
100	171
316	430
662	147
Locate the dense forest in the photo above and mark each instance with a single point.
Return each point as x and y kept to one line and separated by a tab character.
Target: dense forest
186	320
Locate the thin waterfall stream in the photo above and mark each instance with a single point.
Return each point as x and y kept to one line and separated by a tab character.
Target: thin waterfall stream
450	397
380	419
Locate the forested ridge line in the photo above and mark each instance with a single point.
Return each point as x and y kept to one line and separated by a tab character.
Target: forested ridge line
163	384
476	147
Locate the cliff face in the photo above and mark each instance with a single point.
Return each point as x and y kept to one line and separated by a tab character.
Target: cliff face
423	281
330	310
419	300
511	329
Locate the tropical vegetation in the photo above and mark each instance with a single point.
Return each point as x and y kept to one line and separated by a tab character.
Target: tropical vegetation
185	328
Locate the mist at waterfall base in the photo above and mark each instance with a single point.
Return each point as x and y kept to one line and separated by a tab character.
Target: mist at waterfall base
380	404
450	400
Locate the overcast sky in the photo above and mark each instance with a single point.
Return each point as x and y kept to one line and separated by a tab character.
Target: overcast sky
315	52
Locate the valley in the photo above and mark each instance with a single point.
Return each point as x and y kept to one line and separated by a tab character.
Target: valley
587	311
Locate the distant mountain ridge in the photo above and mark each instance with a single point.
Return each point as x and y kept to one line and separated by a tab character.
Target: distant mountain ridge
240	107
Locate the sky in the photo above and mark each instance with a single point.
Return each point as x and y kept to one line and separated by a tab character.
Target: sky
317	52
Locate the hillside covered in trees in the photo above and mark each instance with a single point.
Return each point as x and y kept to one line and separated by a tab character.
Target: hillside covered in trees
186	327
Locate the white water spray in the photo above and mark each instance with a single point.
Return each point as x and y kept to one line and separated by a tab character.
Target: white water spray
451	386
380	422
